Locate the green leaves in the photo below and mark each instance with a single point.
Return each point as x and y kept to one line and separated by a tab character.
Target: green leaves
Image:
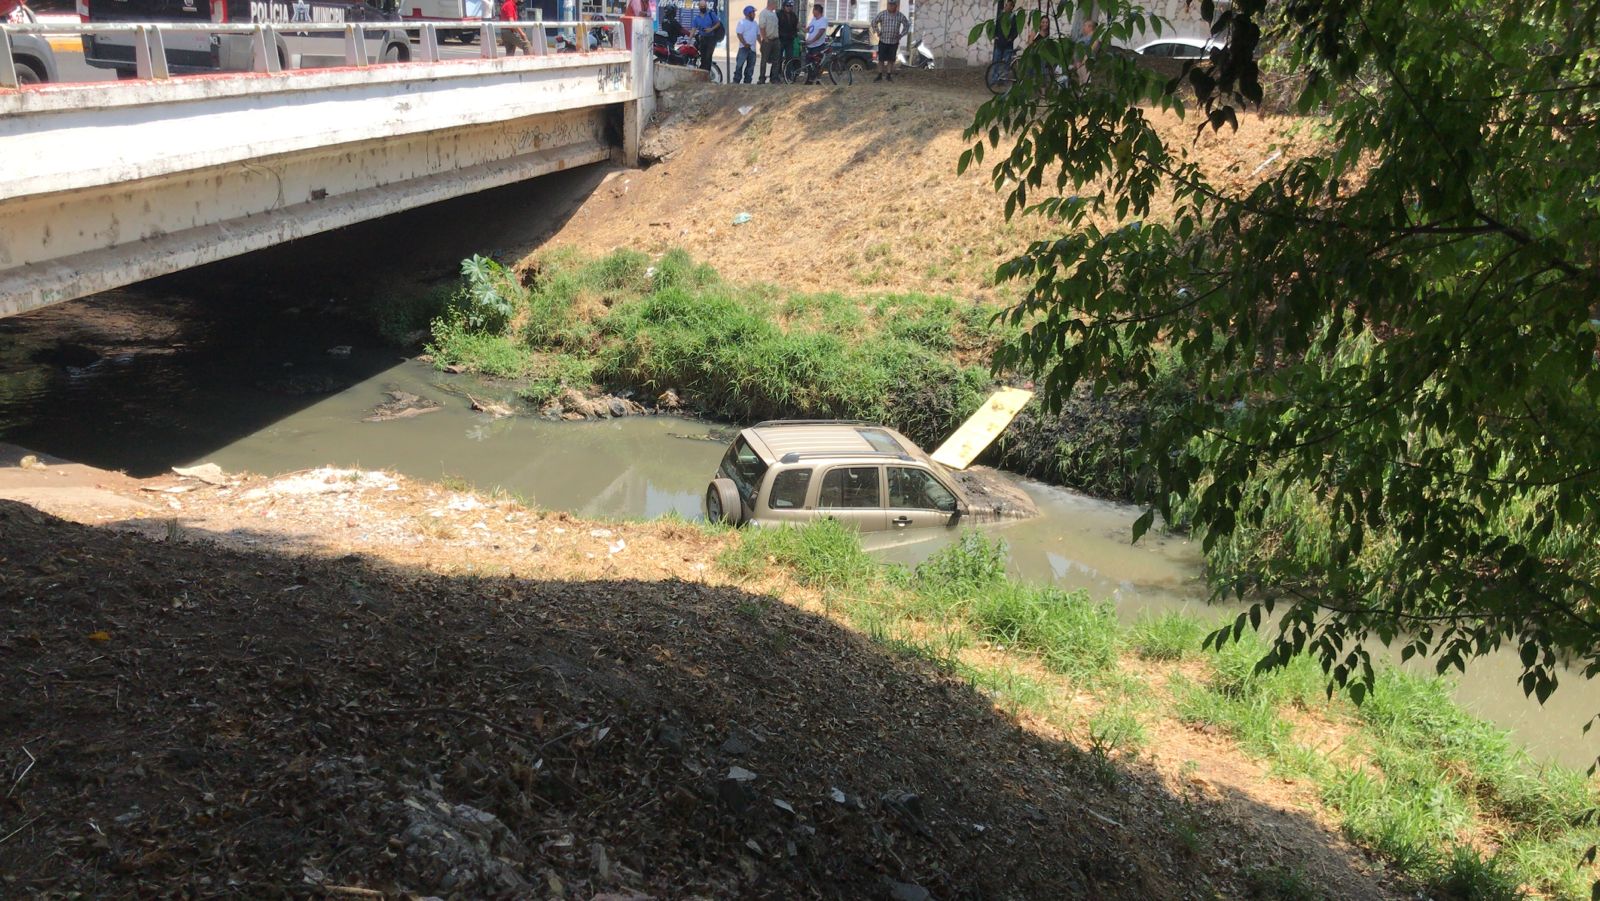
1391	339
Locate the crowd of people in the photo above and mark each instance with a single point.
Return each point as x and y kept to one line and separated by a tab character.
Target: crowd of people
767	40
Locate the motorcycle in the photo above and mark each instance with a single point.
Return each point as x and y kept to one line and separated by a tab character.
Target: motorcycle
682	52
919	56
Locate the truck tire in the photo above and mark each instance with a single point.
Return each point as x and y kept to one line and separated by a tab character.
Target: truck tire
26	74
723	504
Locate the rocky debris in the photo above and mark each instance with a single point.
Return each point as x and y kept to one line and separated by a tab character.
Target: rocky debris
573	405
457	848
209	473
325	480
906	891
495	409
669	400
401	405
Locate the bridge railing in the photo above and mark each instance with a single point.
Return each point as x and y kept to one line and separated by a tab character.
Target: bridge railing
150	56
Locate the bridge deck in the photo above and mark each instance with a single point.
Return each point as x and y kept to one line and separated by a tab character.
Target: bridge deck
130	180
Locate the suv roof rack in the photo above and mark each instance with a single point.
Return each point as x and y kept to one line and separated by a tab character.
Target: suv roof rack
769	423
796	456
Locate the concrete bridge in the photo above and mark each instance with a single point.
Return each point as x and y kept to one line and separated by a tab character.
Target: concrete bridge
111	183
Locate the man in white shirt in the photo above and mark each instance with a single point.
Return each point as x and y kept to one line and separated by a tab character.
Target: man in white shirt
749	35
816	39
768	21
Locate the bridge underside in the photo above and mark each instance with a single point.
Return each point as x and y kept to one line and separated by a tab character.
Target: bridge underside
187	220
145	184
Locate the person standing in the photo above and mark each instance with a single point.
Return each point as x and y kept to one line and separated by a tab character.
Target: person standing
891	25
767	24
788	34
634	11
708	32
749	35
513	38
1005	33
816	39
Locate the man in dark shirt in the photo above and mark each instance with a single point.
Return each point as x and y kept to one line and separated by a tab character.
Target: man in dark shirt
1005	32
788	30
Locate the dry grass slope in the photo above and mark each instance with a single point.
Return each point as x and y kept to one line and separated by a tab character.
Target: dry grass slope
850	189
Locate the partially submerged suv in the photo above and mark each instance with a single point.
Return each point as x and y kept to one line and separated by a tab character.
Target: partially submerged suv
866	475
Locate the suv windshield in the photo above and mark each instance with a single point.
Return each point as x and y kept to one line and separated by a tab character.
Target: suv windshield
745	467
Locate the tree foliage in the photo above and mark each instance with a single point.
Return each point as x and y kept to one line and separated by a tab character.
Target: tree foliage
1395	430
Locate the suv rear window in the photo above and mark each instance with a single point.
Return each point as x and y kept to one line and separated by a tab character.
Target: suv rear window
745	467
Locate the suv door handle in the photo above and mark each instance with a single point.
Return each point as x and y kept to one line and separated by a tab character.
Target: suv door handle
901	521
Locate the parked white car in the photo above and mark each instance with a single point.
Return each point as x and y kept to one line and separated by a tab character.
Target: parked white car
1179	48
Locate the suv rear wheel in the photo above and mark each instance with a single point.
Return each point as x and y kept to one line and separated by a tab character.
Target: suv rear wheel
723	504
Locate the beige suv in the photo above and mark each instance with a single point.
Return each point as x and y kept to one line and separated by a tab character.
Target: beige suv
869	476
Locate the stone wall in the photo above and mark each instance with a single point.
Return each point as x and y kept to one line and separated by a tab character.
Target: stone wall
944	25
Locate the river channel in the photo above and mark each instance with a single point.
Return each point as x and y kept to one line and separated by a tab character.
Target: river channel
149	378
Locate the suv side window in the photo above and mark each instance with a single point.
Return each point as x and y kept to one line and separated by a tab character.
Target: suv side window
789	489
917	489
849	487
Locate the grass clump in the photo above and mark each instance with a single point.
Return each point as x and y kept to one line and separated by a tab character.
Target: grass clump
823	554
1069	632
402	317
1169	636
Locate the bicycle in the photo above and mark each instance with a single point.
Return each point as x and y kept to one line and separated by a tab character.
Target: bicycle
814	63
1001	74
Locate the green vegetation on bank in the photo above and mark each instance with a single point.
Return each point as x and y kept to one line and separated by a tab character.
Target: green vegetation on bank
913	361
1447	798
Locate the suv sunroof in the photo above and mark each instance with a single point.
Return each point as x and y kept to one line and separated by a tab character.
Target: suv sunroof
881	441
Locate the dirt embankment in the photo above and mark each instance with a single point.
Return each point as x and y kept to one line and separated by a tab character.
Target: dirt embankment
852	189
453	695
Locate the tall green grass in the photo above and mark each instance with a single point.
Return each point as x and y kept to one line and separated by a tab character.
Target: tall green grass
1418	775
739	353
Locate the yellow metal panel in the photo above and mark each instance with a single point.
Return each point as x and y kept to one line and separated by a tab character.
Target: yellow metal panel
977	433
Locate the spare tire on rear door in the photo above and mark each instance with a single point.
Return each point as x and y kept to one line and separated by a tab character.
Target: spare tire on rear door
723	504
